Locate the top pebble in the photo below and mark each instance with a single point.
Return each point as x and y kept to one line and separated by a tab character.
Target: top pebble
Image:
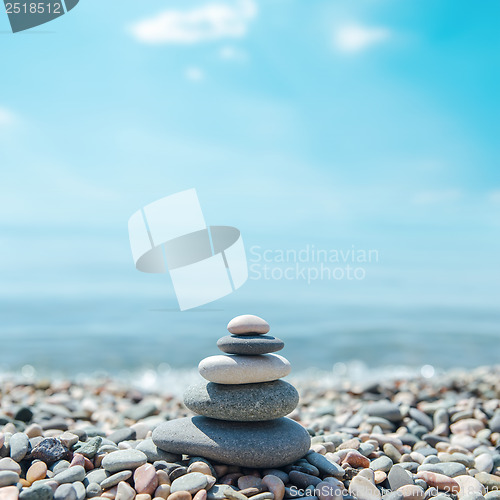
248	324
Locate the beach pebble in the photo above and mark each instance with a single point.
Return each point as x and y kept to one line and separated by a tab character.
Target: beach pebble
90	447
65	492
267	444
19	446
8	478
324	465
153	453
124	491
244	369
37	492
191	482
37	471
9	493
450	469
8	463
483	462
411	492
70	475
356	459
439	481
49	450
180	495
469	486
244	402
250	344
363	489
248	324
94	490
491	481
146	480
123	460
114	479
275	485
382	463
398	477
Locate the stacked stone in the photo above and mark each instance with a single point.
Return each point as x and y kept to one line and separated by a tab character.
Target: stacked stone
242	404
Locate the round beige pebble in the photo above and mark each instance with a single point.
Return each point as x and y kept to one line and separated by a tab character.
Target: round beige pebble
200	467
248	324
37	471
124	491
9	493
163	491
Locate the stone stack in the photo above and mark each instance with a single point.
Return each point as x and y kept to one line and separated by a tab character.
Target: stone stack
242	404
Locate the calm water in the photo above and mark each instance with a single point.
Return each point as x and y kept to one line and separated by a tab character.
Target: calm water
73	335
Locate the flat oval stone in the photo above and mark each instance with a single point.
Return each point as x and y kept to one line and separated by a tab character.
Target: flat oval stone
123	460
250	344
248	324
244	402
273	443
244	369
192	482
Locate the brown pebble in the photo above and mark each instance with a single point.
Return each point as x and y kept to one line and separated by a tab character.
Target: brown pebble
355	459
180	495
163	477
350	444
275	485
24	483
439	481
78	459
231	479
200	467
37	471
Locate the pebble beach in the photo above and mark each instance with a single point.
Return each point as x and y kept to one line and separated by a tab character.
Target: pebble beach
398	438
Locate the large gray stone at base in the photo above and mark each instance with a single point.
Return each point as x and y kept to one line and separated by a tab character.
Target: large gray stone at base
250	344
274	443
245	402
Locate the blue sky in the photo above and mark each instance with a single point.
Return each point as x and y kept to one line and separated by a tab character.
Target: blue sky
371	123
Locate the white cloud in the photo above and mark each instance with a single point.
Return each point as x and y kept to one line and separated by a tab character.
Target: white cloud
6	117
212	21
355	38
194	74
437	196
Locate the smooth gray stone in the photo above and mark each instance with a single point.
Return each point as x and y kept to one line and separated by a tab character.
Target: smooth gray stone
274	443
384	409
37	492
8	478
93	490
242	402
65	492
223	491
398	477
450	469
123	460
192	482
250	344
393	495
81	493
324	465
154	453
19	446
382	463
95	476
113	480
75	473
303	480
422	418
90	447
